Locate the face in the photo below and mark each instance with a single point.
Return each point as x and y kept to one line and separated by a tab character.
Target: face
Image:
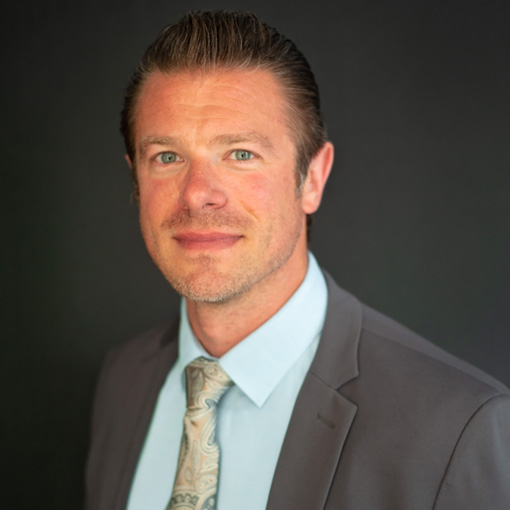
219	208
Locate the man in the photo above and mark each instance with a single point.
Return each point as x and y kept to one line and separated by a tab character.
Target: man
320	402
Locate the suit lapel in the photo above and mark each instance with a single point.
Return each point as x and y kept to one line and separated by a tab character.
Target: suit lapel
146	384
322	417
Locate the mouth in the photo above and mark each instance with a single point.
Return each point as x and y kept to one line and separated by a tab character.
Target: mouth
193	240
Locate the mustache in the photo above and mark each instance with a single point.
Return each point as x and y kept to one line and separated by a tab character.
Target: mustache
200	220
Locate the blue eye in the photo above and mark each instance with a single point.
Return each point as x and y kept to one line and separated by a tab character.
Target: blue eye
168	157
242	155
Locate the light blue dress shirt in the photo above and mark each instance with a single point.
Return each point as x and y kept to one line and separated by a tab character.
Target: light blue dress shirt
268	368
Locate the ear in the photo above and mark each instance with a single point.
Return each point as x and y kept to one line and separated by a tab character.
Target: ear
318	173
129	162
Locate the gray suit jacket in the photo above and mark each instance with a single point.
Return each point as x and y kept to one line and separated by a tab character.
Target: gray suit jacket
384	420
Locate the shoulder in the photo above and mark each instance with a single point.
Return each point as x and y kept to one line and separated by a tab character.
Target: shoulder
376	347
407	355
448	415
126	364
143	346
432	427
397	376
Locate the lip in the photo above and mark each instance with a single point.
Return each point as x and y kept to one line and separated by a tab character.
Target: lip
192	240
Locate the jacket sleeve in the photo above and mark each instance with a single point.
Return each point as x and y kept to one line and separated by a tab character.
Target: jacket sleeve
100	409
478	474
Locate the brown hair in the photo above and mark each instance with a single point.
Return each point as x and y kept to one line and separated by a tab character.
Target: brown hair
209	40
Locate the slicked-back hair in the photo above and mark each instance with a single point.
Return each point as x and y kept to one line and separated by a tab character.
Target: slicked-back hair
224	40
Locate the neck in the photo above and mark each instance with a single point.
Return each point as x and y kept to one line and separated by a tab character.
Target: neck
221	326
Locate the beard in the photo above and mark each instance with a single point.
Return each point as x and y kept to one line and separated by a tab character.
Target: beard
205	277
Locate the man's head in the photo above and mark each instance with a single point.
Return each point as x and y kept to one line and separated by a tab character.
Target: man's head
212	40
214	138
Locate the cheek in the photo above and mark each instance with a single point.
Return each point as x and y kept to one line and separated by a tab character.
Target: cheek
156	199
256	198
155	207
266	197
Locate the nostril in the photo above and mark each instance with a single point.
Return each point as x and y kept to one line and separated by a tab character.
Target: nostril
201	192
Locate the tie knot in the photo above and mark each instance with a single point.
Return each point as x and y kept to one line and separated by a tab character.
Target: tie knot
206	382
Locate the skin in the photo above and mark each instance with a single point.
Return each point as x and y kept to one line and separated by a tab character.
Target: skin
219	208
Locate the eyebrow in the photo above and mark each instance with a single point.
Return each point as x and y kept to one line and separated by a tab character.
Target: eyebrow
225	139
250	136
155	140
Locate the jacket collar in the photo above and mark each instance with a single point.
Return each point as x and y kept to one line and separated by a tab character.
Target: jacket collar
322	416
336	361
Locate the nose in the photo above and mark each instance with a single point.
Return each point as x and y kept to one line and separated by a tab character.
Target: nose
201	189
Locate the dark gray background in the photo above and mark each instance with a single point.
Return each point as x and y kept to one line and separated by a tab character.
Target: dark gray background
414	221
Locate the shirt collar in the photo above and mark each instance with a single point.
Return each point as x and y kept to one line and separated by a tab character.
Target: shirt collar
261	360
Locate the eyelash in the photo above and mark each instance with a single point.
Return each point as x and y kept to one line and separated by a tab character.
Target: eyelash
158	157
252	155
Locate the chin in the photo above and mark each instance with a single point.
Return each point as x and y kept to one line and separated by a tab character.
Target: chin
204	288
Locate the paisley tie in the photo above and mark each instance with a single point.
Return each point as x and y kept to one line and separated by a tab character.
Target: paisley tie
196	481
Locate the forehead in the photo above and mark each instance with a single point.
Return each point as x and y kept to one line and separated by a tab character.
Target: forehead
248	99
